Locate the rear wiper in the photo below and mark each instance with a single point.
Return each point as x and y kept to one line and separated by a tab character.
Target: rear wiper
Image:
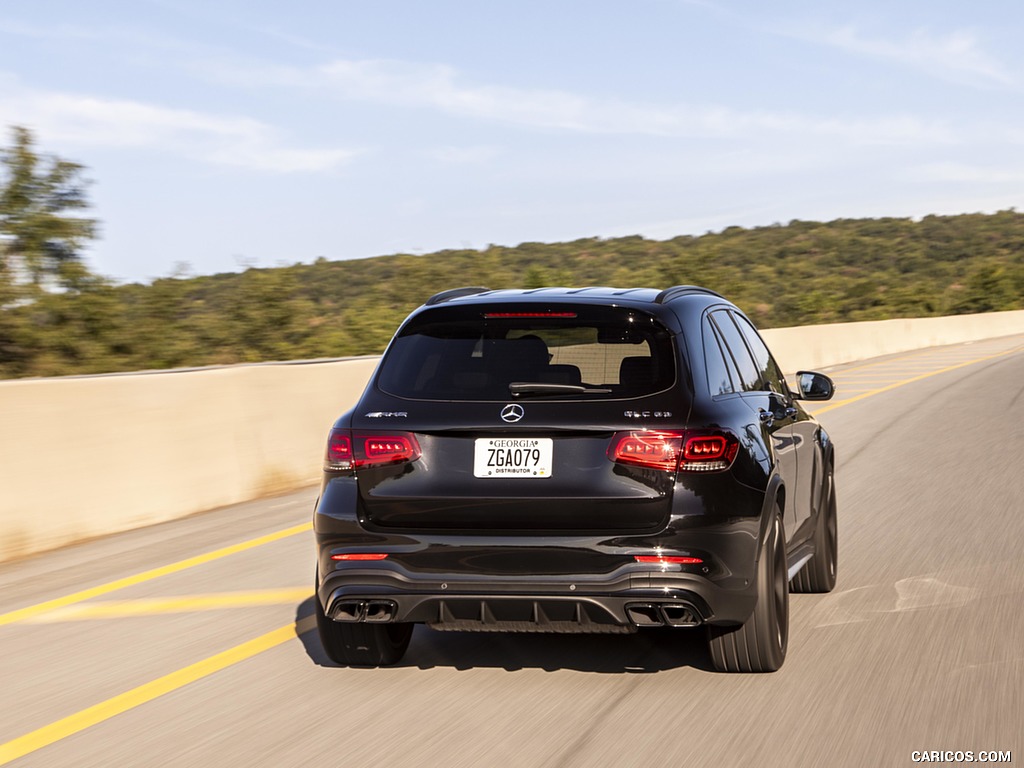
544	388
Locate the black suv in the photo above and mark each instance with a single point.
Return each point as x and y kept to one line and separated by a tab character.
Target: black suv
575	460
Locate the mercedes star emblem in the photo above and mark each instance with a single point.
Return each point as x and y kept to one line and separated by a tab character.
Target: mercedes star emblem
512	413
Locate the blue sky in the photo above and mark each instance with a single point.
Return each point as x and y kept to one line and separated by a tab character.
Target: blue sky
260	133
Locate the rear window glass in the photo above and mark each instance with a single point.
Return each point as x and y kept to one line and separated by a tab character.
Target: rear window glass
479	352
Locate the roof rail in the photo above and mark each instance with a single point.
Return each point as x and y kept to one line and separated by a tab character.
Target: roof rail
454	293
682	290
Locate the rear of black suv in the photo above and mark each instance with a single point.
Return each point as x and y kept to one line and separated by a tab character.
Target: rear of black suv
545	461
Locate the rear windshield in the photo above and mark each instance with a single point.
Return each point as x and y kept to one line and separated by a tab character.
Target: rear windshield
497	351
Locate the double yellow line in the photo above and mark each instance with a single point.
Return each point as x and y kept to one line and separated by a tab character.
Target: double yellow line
116	705
105	710
50	605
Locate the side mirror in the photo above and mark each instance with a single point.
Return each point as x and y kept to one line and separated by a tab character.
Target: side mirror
815	386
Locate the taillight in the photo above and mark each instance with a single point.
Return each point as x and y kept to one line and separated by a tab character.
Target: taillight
667	560
360	556
708	453
684	451
490	315
657	450
390	449
339	451
348	449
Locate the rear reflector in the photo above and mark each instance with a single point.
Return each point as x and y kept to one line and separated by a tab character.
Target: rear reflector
361	556
685	450
666	559
347	449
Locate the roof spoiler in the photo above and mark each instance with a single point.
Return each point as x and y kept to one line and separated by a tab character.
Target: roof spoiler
454	293
682	290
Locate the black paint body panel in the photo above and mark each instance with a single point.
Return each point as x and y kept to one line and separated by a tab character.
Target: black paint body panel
471	553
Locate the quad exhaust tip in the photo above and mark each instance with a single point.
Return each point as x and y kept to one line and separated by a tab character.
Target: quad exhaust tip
662	615
369	611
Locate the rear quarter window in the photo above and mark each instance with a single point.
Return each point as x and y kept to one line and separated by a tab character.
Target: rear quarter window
736	348
719	378
768	370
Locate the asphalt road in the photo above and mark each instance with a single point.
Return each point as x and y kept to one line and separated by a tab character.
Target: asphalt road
205	662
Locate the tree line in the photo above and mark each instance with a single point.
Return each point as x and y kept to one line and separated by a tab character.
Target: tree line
58	318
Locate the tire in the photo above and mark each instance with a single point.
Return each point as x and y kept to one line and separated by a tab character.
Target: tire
819	573
357	644
759	645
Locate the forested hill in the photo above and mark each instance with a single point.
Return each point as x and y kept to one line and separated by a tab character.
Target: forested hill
798	274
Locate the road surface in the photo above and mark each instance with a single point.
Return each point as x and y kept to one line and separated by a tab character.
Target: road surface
187	644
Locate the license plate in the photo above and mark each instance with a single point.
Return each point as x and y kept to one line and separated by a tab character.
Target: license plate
525	457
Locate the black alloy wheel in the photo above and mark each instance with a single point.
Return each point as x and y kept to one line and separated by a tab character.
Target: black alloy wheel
760	643
819	573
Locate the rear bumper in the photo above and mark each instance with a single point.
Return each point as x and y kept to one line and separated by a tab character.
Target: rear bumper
630	597
536	581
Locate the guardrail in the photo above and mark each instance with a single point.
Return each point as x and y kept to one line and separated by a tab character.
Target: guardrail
85	456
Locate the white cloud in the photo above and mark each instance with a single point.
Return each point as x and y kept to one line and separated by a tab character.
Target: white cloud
965	173
956	56
444	89
220	139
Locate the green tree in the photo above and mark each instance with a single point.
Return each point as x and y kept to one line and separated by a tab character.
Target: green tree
40	243
40	239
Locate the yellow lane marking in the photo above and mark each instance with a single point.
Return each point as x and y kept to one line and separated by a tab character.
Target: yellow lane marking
927	364
146	692
910	356
888	374
919	354
904	382
870	380
155	573
894	373
118	609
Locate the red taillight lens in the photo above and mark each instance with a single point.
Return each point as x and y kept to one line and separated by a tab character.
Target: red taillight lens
339	451
490	315
685	451
667	559
657	450
348	450
390	449
360	556
708	453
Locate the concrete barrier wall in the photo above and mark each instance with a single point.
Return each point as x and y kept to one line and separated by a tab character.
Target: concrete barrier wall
87	456
819	346
82	457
